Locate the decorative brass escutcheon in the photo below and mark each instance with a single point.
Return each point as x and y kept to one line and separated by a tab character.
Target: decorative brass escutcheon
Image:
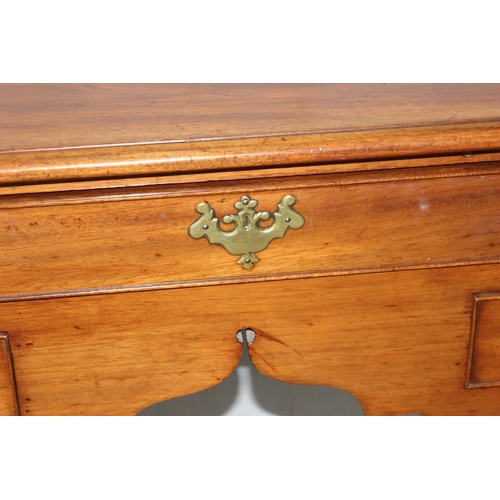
247	237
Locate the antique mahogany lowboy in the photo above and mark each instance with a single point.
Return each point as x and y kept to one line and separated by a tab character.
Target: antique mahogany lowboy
354	228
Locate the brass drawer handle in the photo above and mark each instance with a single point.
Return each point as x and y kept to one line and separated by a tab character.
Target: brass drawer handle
247	237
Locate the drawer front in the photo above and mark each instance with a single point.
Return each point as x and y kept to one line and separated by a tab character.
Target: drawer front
117	354
91	241
397	341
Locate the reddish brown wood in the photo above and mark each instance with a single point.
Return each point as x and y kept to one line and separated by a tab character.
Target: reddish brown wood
130	241
451	166
106	298
61	116
118	354
396	341
236	154
246	127
484	351
9	404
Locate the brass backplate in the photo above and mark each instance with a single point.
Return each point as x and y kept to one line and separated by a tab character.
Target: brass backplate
247	237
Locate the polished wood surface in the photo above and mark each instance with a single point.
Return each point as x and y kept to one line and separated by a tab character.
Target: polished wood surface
90	242
359	172
397	341
483	369
171	129
241	154
388	290
120	353
59	116
8	394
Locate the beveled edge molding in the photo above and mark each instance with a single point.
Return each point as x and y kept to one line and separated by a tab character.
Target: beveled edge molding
445	165
110	194
478	298
77	164
6	354
170	285
472	338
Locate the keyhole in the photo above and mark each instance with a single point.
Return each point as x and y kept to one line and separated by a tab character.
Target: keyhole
246	221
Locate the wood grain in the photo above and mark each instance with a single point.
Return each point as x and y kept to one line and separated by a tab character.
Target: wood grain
76	133
443	166
349	229
396	341
235	154
118	354
483	366
9	404
61	116
106	297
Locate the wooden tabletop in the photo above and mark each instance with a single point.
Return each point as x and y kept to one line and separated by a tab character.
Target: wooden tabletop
39	116
56	132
